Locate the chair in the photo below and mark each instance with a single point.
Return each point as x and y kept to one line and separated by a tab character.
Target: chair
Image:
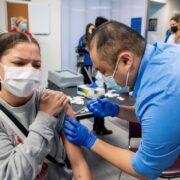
170	173
173	171
134	132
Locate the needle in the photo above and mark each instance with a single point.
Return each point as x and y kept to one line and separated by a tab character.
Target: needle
94	103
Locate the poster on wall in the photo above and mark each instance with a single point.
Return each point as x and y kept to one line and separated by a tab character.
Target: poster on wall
13	22
136	24
152	26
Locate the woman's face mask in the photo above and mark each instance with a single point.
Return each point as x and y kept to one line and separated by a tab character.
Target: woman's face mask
174	29
21	81
112	84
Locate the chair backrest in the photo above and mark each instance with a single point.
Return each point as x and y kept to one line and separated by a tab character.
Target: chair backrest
134	130
173	171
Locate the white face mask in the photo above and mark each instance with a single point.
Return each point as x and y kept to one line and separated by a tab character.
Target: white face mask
21	82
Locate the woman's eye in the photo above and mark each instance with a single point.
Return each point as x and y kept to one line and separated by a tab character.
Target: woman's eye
18	63
37	66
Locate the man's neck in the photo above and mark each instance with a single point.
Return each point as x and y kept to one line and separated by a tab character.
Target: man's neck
134	72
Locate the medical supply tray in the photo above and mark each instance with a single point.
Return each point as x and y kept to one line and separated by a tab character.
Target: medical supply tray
65	78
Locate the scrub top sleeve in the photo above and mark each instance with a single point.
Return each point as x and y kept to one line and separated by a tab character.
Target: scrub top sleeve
160	143
141	165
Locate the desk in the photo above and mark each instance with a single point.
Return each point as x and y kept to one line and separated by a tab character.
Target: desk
72	91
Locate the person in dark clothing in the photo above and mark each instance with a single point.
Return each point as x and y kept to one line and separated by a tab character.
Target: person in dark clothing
98	126
173	28
100	20
83	50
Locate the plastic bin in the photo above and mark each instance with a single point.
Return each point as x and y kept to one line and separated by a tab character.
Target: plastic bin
65	78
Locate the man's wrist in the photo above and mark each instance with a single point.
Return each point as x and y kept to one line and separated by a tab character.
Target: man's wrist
116	110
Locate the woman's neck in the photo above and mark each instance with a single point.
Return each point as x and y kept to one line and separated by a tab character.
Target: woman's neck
13	100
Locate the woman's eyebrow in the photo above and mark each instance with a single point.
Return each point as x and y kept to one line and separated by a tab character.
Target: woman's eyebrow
24	59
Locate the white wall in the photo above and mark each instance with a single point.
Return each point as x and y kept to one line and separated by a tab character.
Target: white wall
50	44
77	13
174	7
124	10
2	15
163	12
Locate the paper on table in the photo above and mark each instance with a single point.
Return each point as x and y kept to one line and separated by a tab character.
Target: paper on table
111	93
121	98
77	100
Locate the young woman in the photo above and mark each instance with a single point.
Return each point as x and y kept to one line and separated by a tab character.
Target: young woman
174	37
40	111
82	49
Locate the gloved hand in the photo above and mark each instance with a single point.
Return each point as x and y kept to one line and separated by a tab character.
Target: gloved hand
103	107
78	133
93	85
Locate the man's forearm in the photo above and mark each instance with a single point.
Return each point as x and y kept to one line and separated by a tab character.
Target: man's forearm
127	113
121	158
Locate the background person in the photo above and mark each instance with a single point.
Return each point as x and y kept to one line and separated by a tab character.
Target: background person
175	35
40	111
173	29
21	26
83	49
100	20
99	123
152	72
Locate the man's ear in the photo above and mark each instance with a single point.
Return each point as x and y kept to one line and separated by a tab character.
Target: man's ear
126	58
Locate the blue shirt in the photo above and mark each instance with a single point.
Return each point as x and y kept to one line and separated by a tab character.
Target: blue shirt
87	58
157	92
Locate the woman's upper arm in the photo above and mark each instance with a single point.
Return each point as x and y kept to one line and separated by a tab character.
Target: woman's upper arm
74	152
70	111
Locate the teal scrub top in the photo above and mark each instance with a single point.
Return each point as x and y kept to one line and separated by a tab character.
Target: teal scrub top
157	92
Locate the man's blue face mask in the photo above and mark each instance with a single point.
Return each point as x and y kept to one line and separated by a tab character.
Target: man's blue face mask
112	84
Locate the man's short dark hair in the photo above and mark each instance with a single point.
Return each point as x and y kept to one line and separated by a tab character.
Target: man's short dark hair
100	20
113	37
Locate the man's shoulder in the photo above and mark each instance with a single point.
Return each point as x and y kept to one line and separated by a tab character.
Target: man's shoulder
165	47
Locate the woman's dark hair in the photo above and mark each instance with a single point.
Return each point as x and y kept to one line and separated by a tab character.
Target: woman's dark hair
176	18
87	34
100	20
9	40
112	37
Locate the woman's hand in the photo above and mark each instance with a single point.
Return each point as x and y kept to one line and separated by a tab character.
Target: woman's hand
53	102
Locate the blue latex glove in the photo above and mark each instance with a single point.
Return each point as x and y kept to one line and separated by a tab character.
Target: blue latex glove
103	107
93	85
78	133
